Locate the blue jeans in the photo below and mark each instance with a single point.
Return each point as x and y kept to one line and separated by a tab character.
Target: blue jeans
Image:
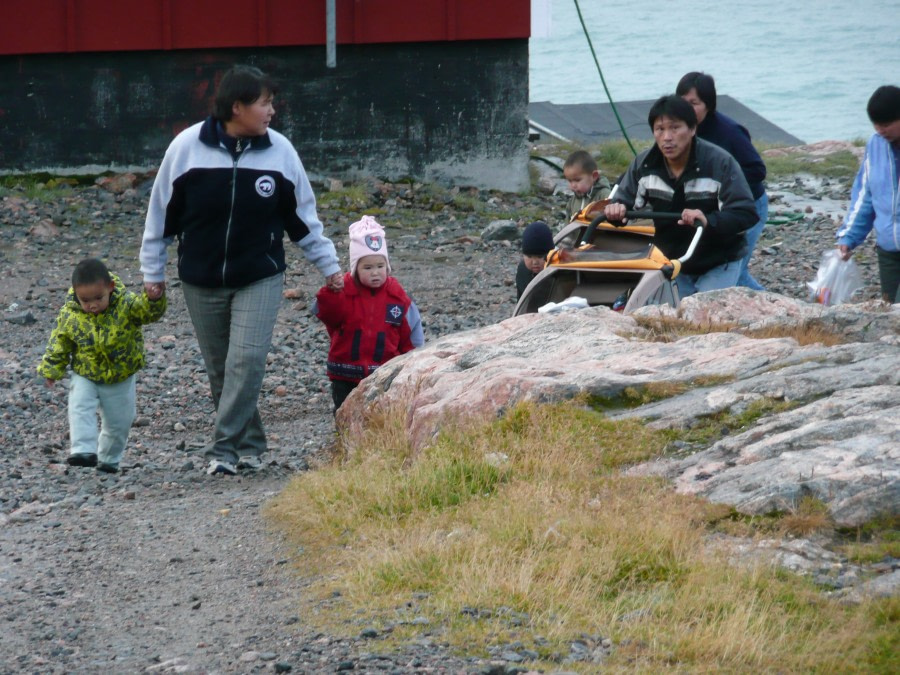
723	276
234	328
117	410
752	236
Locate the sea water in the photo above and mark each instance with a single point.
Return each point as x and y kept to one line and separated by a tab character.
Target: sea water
808	66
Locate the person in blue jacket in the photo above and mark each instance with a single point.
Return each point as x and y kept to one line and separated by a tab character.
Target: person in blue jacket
699	89
875	197
228	189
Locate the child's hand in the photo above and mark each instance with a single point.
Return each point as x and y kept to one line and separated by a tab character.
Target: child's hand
49	383
155	290
335	282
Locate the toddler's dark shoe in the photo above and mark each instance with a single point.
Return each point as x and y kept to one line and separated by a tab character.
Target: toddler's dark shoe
82	459
108	468
249	463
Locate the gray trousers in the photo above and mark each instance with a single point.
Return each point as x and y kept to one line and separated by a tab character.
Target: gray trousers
234	328
116	403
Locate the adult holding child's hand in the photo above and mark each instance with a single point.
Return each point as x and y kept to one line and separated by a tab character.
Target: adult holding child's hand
155	291
228	189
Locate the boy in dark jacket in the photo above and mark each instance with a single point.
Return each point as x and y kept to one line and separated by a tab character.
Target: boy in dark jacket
371	319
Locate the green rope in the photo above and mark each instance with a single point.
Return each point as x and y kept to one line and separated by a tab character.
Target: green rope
784	218
603	79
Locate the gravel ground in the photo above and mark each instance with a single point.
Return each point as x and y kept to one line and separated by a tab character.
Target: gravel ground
164	569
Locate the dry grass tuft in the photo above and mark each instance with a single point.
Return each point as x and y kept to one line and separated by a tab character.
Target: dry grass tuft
665	329
808	517
526	528
803	335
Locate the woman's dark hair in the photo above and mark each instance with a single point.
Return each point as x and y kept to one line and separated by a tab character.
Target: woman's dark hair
884	105
672	105
241	83
90	271
705	86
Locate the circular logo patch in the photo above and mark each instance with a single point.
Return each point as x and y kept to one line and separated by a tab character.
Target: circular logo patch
265	186
374	241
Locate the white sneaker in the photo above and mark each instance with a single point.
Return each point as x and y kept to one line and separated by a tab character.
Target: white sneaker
250	462
217	466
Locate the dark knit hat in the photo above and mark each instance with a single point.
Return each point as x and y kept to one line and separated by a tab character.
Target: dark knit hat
537	239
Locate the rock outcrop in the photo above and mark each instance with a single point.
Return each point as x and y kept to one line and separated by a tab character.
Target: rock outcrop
839	443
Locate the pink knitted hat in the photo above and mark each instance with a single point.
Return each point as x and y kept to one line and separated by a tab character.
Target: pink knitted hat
367	238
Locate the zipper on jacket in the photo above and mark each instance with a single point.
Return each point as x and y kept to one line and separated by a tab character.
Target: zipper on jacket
181	238
271	244
230	216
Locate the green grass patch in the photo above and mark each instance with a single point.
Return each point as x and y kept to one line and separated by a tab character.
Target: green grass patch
349	198
38	187
614	157
45	180
709	429
873	542
633	397
841	165
525	530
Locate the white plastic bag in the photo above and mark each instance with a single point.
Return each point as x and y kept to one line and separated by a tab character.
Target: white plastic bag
572	302
836	280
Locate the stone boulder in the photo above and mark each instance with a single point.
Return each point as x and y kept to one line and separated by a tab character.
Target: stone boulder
501	230
843	449
840	445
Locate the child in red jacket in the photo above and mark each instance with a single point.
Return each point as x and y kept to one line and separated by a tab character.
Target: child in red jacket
372	319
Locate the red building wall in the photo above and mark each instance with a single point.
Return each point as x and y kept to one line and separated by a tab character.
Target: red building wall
60	26
431	89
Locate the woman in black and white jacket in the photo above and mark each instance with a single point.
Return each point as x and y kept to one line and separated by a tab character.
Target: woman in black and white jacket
228	189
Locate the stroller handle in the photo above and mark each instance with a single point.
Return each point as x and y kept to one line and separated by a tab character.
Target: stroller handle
671	270
663	215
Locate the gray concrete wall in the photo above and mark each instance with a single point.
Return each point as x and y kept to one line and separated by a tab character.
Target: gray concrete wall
453	112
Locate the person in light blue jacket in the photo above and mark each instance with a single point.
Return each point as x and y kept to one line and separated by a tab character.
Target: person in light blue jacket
875	198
